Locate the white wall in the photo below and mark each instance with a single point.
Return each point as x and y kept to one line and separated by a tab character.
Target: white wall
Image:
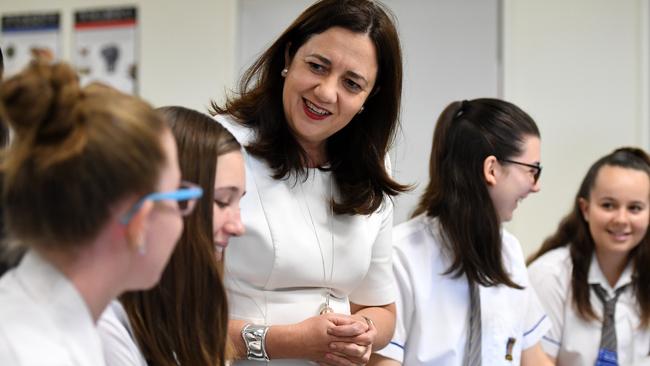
579	68
186	47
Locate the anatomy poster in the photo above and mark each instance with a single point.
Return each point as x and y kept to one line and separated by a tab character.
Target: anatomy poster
105	47
28	36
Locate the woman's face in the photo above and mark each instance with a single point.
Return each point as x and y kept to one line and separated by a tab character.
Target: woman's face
328	80
513	181
164	225
617	209
229	187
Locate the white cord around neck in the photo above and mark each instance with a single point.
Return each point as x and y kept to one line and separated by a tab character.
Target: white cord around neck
330	219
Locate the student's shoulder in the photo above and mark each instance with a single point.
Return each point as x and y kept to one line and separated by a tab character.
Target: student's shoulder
554	259
417	240
242	133
412	233
17	306
22	320
553	268
28	341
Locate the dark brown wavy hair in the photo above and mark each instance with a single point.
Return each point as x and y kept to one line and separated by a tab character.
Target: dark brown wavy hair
465	135
185	317
573	231
356	152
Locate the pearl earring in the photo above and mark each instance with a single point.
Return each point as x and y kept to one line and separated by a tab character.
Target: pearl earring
141	246
360	110
284	72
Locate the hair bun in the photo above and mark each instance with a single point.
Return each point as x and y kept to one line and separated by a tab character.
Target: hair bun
41	99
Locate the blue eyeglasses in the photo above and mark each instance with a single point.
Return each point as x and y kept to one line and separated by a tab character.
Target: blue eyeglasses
186	196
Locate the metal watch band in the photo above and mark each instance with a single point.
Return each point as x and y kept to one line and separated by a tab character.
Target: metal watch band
254	337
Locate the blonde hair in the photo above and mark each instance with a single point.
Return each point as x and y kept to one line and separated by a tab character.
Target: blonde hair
77	152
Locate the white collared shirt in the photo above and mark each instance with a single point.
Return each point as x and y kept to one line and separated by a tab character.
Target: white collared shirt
432	309
296	251
120	347
44	320
572	340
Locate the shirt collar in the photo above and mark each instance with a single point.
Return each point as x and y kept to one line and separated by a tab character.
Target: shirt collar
596	275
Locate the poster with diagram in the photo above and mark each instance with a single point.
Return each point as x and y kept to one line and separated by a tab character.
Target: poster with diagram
28	36
105	47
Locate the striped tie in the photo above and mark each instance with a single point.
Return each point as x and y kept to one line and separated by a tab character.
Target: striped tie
607	353
473	347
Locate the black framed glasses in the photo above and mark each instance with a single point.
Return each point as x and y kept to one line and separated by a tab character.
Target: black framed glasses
537	167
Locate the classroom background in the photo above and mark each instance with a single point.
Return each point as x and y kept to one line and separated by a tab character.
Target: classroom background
578	67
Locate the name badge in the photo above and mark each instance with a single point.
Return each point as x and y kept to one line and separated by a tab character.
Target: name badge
606	358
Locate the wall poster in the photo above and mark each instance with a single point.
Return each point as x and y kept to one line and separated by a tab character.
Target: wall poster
105	47
28	36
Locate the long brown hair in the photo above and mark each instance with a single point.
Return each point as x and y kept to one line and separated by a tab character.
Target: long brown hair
357	151
4	129
465	135
185	317
77	152
573	231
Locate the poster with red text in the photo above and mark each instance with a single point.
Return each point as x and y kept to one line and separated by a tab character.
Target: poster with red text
105	47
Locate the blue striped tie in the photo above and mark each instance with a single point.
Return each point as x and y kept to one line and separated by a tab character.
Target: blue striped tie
607	353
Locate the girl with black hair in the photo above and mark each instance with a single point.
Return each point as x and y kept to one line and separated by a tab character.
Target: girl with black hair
464	292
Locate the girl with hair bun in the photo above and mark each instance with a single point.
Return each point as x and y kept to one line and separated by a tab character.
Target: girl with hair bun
592	273
92	193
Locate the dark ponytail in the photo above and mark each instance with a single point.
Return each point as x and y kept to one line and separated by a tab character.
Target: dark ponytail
465	135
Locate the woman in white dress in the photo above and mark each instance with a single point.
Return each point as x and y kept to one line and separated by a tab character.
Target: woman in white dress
184	319
317	112
91	191
465	298
600	254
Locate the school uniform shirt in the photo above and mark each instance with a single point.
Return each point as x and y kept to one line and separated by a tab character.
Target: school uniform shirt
120	348
432	307
572	340
295	250
43	319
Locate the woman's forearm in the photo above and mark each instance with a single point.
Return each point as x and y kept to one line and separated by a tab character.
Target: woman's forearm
281	341
308	339
234	335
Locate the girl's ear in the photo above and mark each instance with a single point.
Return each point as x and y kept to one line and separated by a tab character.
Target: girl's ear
490	170
584	208
136	228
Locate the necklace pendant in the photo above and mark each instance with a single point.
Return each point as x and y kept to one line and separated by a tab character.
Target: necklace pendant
325	309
